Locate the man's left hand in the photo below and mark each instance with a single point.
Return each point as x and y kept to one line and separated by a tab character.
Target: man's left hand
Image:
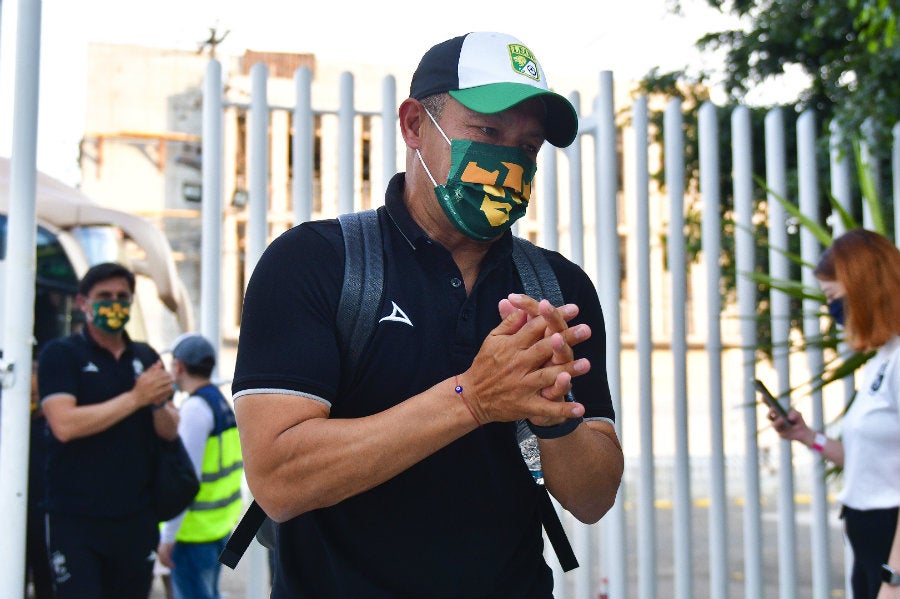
563	338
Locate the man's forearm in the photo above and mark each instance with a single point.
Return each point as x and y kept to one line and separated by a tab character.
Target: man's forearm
165	421
69	421
583	470
320	461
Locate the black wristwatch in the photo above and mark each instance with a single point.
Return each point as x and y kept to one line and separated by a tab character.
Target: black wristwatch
889	575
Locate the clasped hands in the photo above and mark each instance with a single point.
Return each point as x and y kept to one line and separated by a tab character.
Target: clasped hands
153	386
525	366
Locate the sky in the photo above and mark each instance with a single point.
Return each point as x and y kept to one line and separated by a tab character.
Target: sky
574	37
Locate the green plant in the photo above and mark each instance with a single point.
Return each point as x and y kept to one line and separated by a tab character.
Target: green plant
837	365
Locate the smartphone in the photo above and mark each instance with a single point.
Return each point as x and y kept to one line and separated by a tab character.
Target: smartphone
771	401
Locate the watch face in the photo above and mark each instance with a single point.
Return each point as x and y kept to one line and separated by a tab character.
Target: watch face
889	576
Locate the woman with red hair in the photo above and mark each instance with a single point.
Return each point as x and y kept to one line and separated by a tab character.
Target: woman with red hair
860	275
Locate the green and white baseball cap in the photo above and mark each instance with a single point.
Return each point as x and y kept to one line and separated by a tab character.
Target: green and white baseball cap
489	72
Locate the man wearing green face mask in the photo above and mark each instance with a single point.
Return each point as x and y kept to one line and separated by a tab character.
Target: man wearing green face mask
403	476
105	398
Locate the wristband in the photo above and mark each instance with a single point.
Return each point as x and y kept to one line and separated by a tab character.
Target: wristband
159	406
819	443
557	430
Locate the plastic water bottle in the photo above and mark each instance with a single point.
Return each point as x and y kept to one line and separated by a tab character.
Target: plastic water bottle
604	588
531	452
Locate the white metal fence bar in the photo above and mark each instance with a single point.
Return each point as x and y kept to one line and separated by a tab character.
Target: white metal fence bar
808	190
576	193
606	234
677	269
258	168
840	176
303	135
346	145
841	194
388	130
646	520
211	205
712	245
895	177
18	318
548	207
779	304
745	262
870	167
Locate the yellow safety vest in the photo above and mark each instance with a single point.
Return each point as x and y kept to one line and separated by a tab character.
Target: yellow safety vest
218	504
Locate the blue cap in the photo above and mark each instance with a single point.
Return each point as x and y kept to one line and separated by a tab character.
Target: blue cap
192	349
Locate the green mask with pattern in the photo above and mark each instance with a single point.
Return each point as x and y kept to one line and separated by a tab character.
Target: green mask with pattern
111	315
487	189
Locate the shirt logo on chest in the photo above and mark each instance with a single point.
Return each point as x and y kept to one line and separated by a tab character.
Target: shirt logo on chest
397	315
876	384
91	367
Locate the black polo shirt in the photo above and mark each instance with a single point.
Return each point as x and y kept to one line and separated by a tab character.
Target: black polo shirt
106	474
462	522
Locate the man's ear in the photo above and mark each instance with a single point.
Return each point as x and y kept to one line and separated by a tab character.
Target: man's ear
82	303
411	112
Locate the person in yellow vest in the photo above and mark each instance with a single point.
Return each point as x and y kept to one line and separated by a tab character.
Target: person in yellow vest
190	544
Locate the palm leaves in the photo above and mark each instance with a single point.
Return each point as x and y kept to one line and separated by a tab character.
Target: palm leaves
841	364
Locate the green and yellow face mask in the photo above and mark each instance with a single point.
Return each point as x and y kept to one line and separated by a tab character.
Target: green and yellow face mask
487	189
111	315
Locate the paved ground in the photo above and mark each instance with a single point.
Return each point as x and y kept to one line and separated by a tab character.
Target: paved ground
234	583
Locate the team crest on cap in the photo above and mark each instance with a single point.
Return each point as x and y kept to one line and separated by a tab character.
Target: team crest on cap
523	61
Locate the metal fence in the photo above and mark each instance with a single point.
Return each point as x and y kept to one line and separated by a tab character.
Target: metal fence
716	360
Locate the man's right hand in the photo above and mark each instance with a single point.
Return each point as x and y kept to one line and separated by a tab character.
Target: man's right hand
525	358
68	420
154	386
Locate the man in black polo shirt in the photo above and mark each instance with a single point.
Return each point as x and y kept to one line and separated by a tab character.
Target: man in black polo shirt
404	478
105	398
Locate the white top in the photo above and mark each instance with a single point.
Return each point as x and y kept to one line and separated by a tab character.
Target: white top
871	434
194	427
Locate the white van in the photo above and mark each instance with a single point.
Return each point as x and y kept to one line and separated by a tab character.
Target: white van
75	233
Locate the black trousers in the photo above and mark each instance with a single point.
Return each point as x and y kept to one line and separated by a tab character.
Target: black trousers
37	564
871	533
102	558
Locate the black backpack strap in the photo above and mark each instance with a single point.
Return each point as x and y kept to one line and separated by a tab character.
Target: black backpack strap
243	533
556	533
535	271
363	285
540	282
360	297
361	293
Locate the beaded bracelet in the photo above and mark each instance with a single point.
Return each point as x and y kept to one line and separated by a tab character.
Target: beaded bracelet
459	391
